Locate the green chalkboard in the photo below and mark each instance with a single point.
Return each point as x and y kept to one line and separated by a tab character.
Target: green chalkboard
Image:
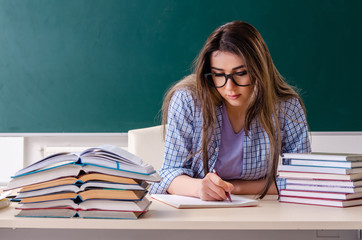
104	65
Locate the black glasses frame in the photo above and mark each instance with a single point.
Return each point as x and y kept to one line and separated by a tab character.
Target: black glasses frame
227	76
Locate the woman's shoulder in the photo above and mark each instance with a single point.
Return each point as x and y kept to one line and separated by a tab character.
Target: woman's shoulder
183	95
185	90
291	104
292	108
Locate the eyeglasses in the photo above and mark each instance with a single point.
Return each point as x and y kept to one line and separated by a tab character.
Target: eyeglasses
220	79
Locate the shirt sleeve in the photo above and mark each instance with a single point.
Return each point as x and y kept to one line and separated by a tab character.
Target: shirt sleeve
178	141
294	131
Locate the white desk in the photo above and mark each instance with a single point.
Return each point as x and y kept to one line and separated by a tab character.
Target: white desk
269	215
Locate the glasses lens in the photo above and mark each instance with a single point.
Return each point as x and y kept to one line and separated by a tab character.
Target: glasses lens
241	78
218	79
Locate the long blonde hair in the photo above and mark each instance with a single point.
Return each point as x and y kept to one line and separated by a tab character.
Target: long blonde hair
270	89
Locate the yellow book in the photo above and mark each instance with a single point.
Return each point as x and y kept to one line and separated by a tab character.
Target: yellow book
82	179
90	194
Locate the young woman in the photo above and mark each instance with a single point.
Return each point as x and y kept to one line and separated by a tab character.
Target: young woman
235	115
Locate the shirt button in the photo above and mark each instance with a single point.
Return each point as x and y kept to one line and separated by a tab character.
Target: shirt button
216	149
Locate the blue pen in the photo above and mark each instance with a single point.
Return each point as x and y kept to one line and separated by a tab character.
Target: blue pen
227	193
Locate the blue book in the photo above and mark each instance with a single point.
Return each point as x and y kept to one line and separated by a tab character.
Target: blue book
322	163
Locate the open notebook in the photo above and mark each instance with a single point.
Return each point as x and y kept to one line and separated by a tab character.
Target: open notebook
178	201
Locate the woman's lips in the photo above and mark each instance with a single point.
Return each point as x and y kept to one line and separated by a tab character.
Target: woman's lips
233	96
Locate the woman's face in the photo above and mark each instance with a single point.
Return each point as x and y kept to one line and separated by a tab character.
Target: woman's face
228	63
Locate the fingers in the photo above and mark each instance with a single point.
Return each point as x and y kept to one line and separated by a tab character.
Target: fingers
214	188
226	186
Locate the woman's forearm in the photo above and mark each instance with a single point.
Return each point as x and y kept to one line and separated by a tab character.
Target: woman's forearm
184	185
211	187
252	187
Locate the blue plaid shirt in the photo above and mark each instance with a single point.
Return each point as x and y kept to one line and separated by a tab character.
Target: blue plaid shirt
184	137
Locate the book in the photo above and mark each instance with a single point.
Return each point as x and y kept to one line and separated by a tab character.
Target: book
327	195
79	188
319	163
321	202
93	204
74	170
291	168
319	176
90	194
178	201
70	213
111	214
336	183
82	179
105	156
324	156
316	188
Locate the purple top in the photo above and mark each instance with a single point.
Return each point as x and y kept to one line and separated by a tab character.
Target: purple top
229	163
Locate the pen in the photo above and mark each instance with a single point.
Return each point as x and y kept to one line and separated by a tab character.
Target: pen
227	193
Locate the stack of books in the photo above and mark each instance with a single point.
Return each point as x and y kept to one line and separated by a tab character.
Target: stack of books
101	182
327	179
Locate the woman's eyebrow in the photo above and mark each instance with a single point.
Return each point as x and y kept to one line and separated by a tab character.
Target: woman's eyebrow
241	66
220	69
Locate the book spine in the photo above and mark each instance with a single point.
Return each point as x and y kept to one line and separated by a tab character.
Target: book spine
314	163
316	188
292	168
314	157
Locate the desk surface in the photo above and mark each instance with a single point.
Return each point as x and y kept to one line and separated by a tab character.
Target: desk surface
269	215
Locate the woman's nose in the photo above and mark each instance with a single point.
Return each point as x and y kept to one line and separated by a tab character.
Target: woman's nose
229	83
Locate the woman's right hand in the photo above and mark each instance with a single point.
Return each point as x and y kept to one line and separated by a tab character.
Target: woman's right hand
212	187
